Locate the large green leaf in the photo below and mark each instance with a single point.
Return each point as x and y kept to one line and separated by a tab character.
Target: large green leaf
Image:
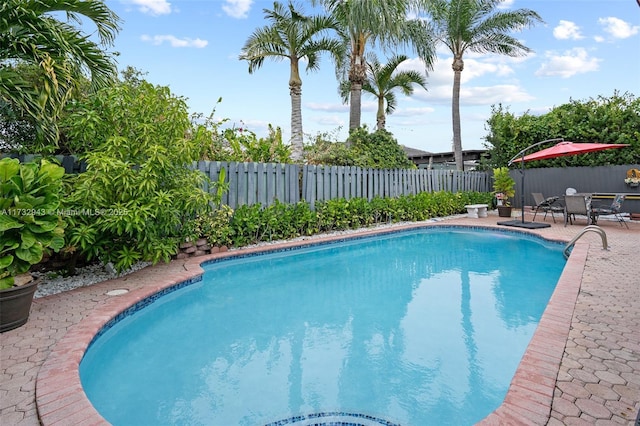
32	255
34	201
8	246
9	222
52	171
41	225
8	189
28	175
28	239
16	181
5	261
57	242
6	282
9	167
22	203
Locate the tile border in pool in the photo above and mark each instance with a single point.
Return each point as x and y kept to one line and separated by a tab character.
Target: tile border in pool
60	398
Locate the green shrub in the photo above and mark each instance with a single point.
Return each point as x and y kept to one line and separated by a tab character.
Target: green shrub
139	191
213	225
244	146
378	150
253	224
30	222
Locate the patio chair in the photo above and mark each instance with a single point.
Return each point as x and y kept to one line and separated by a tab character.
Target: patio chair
547	205
576	205
613	209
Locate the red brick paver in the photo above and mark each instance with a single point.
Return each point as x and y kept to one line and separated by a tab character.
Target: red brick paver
582	366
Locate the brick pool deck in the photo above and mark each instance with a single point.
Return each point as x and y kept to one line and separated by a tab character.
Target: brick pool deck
582	366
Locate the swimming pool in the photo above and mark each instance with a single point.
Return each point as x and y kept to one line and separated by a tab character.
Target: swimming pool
420	327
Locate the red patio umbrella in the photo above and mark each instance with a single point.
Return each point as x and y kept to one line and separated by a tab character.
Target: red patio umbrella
561	149
565	148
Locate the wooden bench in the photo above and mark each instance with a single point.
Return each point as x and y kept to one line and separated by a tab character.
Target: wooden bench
477	210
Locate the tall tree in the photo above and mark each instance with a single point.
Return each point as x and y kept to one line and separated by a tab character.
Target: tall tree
30	32
294	36
383	81
476	26
366	23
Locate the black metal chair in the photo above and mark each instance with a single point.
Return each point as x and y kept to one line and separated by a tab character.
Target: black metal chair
613	209
547	205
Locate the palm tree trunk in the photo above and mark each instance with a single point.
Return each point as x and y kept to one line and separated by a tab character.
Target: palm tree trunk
295	92
355	105
458	66
296	122
381	116
357	77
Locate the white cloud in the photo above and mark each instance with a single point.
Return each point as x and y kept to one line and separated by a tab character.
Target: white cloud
443	74
413	111
506	4
440	81
152	7
567	30
174	41
618	28
489	95
569	63
237	8
329	120
326	107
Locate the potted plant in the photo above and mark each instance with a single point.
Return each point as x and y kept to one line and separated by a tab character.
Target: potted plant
504	190
29	224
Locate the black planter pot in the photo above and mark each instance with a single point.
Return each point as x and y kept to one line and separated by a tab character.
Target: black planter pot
504	211
15	304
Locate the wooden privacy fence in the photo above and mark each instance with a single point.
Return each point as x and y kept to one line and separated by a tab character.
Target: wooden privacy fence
251	183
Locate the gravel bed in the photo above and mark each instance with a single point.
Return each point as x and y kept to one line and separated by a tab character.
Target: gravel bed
50	283
92	274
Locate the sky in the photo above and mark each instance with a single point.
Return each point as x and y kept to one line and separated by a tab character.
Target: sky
584	49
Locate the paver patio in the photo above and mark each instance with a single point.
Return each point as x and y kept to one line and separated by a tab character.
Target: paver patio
595	379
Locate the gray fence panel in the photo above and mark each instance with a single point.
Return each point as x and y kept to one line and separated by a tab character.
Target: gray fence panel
308	184
232	172
267	186
291	176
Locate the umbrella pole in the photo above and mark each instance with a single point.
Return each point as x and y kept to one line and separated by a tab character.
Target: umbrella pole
522	190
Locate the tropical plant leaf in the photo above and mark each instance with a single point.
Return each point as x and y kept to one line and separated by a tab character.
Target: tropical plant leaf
9	167
32	255
5	261
9	222
6	282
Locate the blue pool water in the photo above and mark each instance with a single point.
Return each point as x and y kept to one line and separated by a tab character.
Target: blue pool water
424	327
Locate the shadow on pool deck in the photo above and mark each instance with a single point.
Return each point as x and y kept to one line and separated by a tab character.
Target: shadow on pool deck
582	366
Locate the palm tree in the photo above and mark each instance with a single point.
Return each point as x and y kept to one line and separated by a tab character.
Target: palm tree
30	33
476	26
382	82
369	22
291	36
